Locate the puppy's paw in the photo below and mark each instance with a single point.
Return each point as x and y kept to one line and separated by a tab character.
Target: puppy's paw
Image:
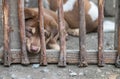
54	46
73	32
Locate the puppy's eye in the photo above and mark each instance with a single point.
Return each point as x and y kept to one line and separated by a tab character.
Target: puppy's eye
28	32
46	34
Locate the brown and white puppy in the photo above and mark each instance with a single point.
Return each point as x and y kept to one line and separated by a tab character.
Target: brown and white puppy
70	8
32	30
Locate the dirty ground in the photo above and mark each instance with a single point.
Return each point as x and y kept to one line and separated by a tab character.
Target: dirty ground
54	72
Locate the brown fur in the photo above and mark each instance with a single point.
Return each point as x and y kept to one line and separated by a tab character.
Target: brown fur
32	32
72	17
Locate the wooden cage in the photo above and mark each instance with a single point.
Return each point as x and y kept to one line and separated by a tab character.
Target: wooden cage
12	29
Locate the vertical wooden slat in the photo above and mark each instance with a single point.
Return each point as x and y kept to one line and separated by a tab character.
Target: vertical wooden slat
15	34
7	54
1	23
62	58
82	37
100	32
116	25
43	60
118	32
21	19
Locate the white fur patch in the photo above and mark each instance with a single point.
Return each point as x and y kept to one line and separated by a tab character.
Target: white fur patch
108	26
68	6
74	32
54	46
46	4
93	12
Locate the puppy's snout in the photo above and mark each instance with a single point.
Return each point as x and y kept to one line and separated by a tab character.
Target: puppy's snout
34	48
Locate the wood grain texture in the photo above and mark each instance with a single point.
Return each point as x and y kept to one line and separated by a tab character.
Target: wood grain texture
7	53
72	56
21	19
62	32
82	34
100	33
117	33
43	60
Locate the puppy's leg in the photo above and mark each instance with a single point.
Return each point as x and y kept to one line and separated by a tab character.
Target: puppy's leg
52	44
73	32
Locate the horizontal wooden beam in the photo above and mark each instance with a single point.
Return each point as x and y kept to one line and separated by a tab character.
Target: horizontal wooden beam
72	56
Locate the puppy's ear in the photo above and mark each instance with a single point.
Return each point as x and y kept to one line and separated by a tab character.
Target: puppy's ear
30	13
54	29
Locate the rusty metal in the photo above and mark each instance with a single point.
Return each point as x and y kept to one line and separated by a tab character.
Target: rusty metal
43	60
100	33
62	32
82	37
21	19
7	53
118	32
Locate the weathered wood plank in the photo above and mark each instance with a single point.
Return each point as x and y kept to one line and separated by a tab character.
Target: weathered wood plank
43	60
6	30
116	26
14	35
82	34
62	32
72	56
118	32
21	19
100	33
1	25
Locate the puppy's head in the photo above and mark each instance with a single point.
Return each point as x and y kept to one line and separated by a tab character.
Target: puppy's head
32	33
32	39
32	36
32	29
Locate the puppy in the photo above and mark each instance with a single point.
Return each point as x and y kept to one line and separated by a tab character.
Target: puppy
70	8
51	29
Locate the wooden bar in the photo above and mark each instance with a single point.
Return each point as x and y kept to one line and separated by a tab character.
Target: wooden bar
82	37
71	58
116	25
7	53
1	23
118	32
21	19
100	33
15	31
43	60
62	32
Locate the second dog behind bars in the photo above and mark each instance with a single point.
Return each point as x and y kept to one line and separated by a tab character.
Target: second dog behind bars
71	15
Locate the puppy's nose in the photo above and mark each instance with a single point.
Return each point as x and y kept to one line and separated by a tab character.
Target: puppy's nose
34	48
